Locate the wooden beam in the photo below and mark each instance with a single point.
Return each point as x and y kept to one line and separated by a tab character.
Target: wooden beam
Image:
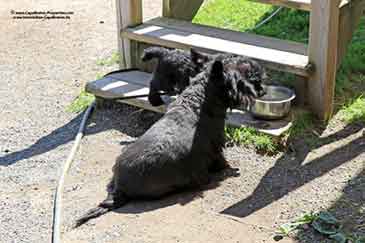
129	13
323	44
181	9
350	16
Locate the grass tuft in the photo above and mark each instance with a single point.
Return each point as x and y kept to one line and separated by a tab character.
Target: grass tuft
287	228
110	61
302	123
354	111
251	137
82	101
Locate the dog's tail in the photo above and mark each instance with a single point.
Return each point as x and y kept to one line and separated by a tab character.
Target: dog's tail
154	52
104	207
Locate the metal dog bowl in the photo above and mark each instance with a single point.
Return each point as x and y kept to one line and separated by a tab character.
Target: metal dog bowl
275	104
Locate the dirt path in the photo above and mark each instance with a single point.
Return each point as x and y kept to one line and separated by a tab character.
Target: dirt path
43	66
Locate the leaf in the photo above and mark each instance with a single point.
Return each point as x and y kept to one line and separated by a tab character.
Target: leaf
328	218
307	218
285	229
339	237
324	228
360	240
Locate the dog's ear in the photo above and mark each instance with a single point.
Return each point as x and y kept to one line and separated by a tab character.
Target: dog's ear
198	58
216	71
154	52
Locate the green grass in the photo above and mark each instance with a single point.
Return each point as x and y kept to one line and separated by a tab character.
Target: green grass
234	15
354	111
249	136
82	101
110	61
289	24
301	124
243	15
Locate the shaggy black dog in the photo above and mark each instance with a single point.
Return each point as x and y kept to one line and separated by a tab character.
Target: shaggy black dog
173	70
186	144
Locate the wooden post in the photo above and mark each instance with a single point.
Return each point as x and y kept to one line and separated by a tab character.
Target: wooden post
350	16
181	9
129	13
323	45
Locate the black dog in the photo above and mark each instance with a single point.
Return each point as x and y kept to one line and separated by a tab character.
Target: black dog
173	70
186	144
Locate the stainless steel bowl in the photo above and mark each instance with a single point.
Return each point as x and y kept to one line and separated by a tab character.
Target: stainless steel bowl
275	104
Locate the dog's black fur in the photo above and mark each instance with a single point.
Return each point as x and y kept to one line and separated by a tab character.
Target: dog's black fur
173	70
186	144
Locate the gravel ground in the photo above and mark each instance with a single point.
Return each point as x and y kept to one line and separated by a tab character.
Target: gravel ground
43	67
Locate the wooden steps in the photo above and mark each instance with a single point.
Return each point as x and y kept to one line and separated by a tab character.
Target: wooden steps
129	83
274	53
296	4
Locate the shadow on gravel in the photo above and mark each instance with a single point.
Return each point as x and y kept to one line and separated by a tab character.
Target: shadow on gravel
289	172
123	118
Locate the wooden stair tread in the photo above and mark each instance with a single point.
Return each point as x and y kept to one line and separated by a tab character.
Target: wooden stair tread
296	4
129	83
274	53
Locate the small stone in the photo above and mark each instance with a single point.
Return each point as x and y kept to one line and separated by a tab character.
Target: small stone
278	237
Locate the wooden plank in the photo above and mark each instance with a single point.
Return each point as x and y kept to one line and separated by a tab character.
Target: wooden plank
297	4
350	16
181	9
323	43
136	82
305	5
129	13
236	36
276	54
120	84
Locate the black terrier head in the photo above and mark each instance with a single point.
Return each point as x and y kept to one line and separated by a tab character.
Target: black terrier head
173	71
238	79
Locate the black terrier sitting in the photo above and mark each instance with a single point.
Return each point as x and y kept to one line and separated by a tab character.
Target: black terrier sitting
173	70
186	144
